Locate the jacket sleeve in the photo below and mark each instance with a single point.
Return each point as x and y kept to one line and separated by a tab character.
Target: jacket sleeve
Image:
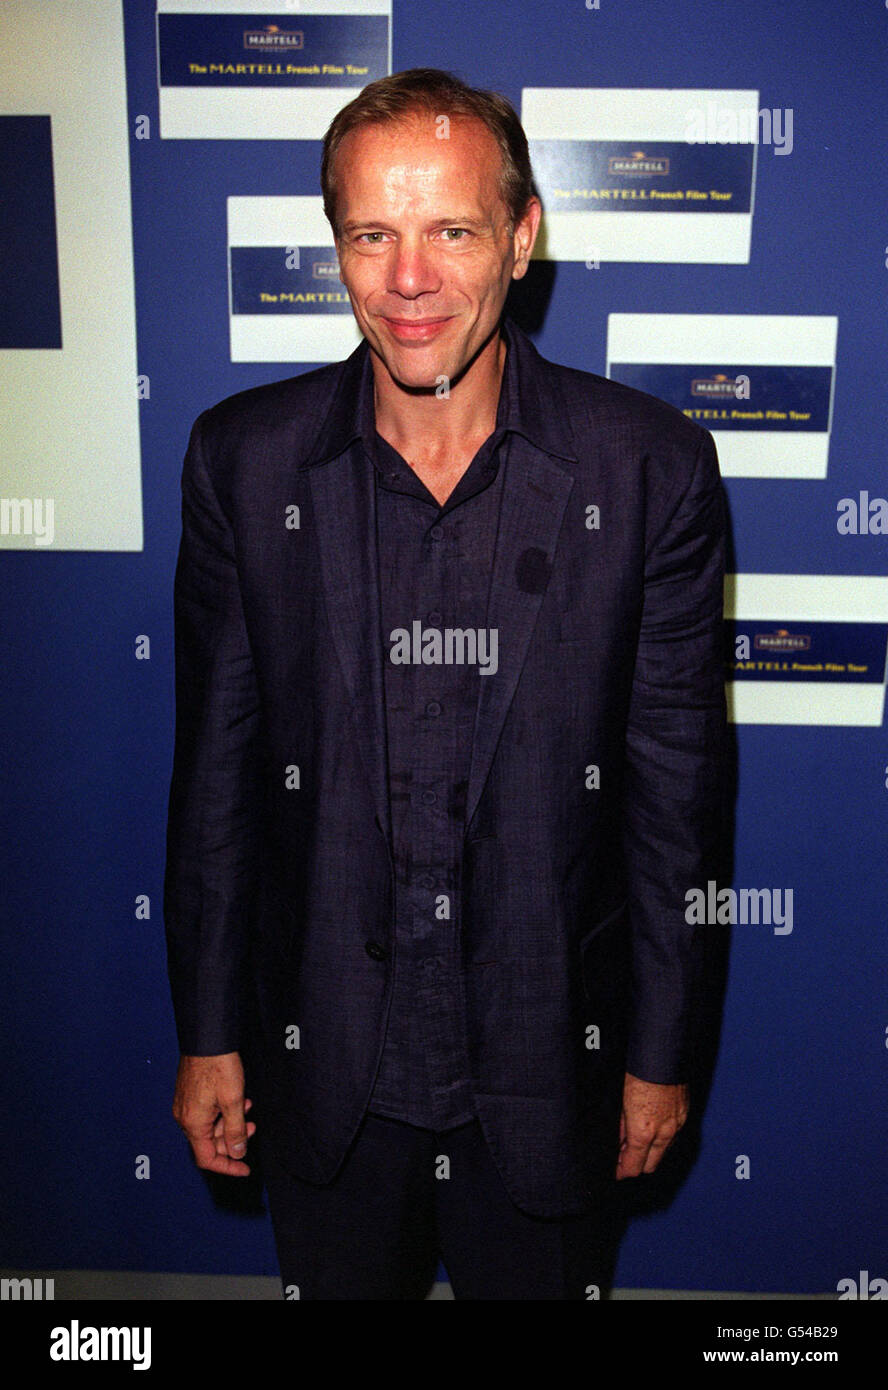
212	828
675	750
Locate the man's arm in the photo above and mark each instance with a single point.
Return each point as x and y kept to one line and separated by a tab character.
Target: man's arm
671	811
212	828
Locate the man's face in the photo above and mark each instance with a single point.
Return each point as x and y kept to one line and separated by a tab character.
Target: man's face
424	249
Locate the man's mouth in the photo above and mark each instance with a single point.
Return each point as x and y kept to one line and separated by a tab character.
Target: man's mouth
415	330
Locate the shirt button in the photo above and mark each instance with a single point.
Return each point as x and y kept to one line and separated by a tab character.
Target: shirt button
435	618
426	881
436	532
429	798
433	707
375	950
431	964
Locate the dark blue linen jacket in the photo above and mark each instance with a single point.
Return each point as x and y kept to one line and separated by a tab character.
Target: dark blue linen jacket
594	791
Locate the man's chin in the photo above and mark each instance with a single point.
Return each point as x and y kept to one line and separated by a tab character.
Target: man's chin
414	369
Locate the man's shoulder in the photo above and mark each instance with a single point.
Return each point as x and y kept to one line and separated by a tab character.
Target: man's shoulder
600	402
305	398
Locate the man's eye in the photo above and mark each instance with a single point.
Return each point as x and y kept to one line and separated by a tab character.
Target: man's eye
460	232
364	235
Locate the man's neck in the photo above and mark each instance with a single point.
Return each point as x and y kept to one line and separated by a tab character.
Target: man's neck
428	429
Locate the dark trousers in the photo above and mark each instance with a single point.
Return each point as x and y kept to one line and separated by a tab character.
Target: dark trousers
406	1196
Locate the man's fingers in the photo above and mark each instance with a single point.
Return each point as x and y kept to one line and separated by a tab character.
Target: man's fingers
234	1126
632	1156
219	1134
206	1156
658	1147
220	1122
203	1148
221	1163
209	1156
642	1153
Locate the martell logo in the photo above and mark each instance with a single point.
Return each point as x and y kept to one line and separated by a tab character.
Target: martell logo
782	641
638	164
271	39
714	387
324	270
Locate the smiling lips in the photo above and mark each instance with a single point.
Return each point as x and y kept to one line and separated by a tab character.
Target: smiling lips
415	330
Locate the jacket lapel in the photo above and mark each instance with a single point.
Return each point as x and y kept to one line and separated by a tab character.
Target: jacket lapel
344	502
534	496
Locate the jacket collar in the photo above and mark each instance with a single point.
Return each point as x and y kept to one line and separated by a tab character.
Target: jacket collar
531	400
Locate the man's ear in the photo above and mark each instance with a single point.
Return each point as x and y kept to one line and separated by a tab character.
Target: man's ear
525	236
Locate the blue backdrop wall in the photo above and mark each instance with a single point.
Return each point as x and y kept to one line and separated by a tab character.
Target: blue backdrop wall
798	1075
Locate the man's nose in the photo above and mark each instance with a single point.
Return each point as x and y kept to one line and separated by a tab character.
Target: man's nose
412	269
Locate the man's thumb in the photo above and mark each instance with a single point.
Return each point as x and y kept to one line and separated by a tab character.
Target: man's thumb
234	1128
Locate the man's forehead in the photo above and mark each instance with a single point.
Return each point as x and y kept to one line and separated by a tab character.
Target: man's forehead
415	162
409	171
420	131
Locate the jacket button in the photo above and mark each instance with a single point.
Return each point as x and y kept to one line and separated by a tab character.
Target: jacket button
375	951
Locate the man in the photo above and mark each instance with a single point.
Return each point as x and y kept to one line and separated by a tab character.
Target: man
450	715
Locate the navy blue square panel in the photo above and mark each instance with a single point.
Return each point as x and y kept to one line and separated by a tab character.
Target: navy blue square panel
30	315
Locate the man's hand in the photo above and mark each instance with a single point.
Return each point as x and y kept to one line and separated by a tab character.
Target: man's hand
209	1104
652	1116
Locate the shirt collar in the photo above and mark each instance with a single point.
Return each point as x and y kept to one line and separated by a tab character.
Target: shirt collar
528	403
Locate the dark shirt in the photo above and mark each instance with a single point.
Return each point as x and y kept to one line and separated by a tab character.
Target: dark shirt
434	568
